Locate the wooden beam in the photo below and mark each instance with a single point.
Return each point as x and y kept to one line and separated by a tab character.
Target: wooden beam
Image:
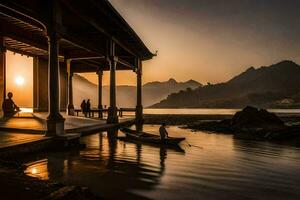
23	36
21	16
23	52
40	42
92	21
89	58
79	53
81	42
125	63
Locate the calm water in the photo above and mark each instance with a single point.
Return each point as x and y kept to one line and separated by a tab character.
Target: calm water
198	111
216	166
211	111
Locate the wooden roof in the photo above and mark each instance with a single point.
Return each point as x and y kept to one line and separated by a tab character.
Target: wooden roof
86	28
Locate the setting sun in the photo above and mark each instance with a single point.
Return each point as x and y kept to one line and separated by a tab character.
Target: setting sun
20	80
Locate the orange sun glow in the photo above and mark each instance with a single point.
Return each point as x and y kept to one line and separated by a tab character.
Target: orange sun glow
19	80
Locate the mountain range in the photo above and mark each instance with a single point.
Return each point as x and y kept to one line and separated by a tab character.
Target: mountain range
277	85
153	92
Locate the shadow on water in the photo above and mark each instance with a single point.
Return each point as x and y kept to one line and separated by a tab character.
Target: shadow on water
110	168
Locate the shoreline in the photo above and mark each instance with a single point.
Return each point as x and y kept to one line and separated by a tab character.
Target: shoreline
184	119
218	124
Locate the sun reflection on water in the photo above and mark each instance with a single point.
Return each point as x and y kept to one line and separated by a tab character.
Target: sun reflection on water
26	110
38	169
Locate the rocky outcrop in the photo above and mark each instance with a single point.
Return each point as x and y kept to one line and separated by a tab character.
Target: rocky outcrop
253	124
251	117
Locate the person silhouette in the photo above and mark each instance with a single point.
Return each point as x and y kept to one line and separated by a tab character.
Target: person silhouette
163	132
83	107
88	107
9	107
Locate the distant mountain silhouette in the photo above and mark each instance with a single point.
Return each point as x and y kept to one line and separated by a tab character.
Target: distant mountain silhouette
264	87
153	92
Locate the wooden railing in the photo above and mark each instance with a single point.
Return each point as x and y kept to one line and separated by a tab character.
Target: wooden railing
121	110
101	112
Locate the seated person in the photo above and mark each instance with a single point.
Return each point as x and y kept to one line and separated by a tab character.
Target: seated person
163	132
9	107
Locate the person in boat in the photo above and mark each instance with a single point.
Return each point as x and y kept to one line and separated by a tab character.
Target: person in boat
9	107
163	132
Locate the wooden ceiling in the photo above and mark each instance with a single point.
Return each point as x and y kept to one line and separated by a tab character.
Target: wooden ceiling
85	30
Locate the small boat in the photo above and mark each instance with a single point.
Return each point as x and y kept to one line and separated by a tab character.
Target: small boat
149	138
173	147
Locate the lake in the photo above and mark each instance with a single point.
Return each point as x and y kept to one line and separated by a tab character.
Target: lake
211	111
206	166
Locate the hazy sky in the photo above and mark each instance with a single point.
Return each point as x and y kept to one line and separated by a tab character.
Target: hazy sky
19	78
212	40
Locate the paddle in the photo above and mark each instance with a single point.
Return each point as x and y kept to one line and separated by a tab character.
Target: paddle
190	145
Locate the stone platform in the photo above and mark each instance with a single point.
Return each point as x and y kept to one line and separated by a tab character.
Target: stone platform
36	124
26	134
12	139
12	144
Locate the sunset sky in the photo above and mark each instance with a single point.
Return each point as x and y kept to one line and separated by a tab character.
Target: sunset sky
213	40
19	78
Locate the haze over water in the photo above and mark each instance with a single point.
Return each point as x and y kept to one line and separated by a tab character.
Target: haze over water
211	111
216	166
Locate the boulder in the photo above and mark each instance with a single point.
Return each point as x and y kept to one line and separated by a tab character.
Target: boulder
251	117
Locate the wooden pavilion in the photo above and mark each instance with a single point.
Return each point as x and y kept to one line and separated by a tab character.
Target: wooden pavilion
66	37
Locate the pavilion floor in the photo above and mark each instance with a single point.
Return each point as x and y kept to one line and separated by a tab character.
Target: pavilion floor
36	123
26	132
12	139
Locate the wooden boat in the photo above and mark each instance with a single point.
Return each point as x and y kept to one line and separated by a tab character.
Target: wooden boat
176	148
149	138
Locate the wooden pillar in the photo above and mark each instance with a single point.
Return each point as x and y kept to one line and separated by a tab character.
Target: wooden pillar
40	84
2	71
70	89
100	106
139	106
55	122
63	76
112	110
70	95
35	84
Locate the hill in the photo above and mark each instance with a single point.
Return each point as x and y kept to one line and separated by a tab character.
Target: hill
126	95
263	87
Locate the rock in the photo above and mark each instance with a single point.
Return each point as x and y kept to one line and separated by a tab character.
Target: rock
222	126
251	117
253	124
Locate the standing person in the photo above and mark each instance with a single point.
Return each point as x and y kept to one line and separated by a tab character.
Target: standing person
83	107
88	107
163	132
9	107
